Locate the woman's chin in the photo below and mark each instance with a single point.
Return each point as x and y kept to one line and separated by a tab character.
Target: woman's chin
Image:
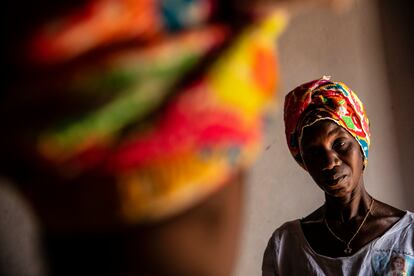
337	192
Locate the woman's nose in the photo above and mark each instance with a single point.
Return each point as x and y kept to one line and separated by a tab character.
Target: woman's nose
330	160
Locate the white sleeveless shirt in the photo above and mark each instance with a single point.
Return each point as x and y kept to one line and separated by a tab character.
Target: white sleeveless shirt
289	253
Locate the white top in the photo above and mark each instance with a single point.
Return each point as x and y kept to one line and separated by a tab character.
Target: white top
289	253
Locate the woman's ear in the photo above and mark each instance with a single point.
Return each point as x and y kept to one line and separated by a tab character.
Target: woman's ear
363	159
363	162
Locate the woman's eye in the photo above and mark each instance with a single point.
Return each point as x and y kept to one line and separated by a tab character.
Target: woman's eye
340	145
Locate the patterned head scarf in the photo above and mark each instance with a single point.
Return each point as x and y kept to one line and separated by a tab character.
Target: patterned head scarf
164	101
323	99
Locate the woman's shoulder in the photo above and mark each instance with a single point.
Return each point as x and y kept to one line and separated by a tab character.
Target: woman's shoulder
286	230
398	222
286	227
292	228
385	211
314	217
287	233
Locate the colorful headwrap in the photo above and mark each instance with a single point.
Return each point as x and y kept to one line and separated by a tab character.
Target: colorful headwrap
171	112
323	99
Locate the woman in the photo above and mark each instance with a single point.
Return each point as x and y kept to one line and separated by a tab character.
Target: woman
352	233
124	131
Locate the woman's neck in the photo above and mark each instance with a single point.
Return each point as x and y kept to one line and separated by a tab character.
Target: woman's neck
345	209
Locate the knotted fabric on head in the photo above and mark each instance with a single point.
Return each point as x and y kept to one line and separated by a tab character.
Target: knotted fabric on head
323	99
158	96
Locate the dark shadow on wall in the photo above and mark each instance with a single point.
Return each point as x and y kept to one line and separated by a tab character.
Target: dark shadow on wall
398	29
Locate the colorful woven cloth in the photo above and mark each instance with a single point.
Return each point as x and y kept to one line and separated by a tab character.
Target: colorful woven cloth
170	112
324	99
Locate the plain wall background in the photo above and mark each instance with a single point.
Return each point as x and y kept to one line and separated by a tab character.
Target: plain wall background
350	47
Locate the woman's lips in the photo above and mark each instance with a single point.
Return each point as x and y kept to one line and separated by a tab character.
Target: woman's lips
334	182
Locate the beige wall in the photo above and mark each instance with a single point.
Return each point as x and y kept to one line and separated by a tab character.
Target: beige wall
349	48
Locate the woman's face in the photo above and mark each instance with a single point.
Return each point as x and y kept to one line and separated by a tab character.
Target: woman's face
332	157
